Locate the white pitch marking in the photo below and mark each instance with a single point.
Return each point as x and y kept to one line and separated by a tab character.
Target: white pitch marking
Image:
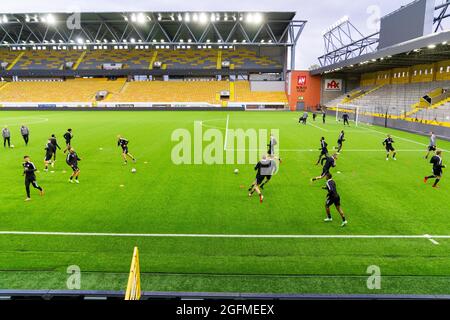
404	139
241	236
313	125
431	239
226	134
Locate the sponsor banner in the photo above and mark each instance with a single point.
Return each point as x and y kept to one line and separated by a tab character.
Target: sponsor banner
46	106
333	84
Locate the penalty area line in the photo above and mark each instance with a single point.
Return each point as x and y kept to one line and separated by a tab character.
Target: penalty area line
238	236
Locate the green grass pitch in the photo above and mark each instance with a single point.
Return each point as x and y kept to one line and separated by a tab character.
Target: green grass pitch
379	197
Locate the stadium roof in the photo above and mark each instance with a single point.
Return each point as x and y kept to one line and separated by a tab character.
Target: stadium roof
424	50
171	28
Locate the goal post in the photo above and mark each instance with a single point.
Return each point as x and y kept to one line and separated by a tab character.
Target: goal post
351	110
133	291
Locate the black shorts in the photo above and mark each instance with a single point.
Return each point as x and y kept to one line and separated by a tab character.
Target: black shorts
48	156
125	150
324	172
333	200
437	172
324	152
390	148
340	142
75	168
260	179
431	148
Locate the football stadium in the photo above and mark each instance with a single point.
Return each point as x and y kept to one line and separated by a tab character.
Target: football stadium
183	154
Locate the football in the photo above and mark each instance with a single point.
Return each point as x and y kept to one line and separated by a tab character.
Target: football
133	170
236	171
12	146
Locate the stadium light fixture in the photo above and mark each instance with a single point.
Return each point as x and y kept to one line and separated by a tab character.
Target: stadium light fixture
4	19
195	17
27	18
140	18
431	46
257	18
187	17
172	17
159	17
213	17
180	17
80	40
125	18
50	19
444	43
203	18
225	17
132	40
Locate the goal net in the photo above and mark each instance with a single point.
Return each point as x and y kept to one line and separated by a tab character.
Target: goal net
352	111
133	291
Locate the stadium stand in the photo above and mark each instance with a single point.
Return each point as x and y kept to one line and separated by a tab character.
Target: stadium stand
171	91
9	57
45	59
188	59
243	58
131	59
400	96
77	90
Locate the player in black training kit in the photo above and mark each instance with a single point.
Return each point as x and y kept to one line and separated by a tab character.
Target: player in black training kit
49	151
333	198
265	168
387	143
55	145
340	141
437	168
68	137
330	162
323	148
72	160
29	170
345	116
122	142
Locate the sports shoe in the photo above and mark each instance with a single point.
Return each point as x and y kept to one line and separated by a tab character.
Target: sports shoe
395	159
344	223
261	198
76	181
53	164
134	160
41	192
425	179
250	194
70	180
436	187
328	220
387	159
27	199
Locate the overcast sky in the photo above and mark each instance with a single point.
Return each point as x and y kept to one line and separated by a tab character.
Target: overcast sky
320	13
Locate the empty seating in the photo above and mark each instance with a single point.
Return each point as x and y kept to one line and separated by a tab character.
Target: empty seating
243	58
78	90
188	59
131	59
46	59
172	91
397	98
